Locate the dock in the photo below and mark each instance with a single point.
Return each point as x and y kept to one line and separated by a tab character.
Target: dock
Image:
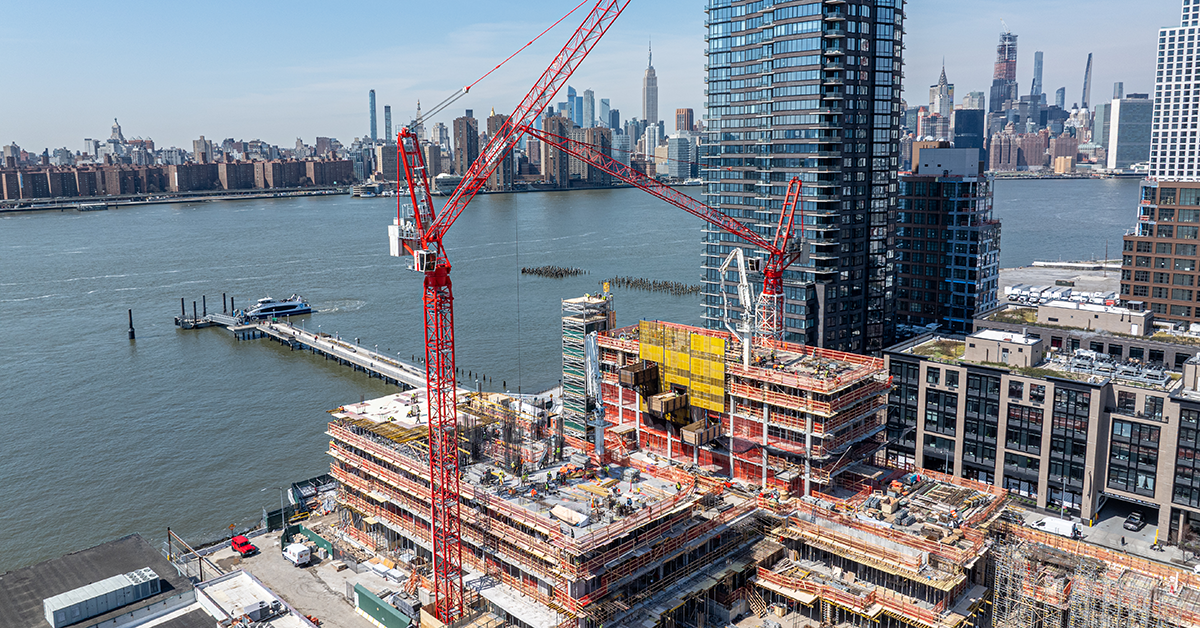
387	368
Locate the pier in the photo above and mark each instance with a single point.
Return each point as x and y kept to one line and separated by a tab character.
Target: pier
384	367
389	369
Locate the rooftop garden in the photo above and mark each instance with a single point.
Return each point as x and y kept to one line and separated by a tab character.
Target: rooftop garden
941	350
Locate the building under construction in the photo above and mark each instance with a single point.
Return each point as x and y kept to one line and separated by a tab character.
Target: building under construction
1043	580
783	416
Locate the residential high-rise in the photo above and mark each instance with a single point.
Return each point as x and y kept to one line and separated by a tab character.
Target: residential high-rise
834	120
1004	78
374	130
466	142
1037	91
1174	128
387	124
1129	131
650	92
684	120
1087	84
502	179
1158	267
602	115
588	119
946	206
555	163
1060	98
614	119
941	96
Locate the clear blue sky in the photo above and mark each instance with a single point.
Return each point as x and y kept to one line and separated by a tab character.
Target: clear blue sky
280	70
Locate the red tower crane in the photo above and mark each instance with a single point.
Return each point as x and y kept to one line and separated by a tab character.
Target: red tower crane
422	238
782	251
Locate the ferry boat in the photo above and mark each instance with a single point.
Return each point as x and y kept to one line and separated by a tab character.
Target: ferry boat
272	308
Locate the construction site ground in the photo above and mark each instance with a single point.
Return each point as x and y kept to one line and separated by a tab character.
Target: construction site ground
1109	530
789	620
318	590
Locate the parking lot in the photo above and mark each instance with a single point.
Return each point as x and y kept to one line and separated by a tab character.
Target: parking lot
319	590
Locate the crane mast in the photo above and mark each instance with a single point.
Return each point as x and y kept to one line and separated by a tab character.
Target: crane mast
421	237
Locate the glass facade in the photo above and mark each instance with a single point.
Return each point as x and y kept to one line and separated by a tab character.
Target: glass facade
808	89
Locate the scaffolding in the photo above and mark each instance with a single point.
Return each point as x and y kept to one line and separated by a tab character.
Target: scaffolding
1044	581
581	316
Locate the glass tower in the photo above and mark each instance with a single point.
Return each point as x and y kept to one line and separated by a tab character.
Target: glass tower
808	89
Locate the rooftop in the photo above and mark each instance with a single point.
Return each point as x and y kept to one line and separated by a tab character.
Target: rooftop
22	590
1005	336
238	593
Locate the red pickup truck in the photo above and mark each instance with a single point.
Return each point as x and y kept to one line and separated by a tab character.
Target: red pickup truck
243	546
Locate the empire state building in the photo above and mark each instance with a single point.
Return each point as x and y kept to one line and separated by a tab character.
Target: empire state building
650	93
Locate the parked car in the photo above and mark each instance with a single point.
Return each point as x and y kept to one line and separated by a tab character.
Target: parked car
243	546
1134	521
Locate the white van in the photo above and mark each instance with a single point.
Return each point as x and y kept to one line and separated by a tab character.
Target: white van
1061	527
298	554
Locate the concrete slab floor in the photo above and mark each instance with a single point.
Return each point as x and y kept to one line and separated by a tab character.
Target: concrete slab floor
318	590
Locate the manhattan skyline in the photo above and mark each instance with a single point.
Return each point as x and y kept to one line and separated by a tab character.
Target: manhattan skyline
306	89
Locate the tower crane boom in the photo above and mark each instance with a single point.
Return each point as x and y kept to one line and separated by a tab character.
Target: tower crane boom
422	237
782	251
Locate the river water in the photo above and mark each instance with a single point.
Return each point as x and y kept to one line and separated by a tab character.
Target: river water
105	437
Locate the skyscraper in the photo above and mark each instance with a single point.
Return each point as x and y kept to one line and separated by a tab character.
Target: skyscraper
1037	78
1060	98
387	124
1118	90
1004	78
838	107
589	109
374	131
1130	122
650	92
572	104
1087	84
602	115
941	96
614	119
684	120
466	142
502	179
974	100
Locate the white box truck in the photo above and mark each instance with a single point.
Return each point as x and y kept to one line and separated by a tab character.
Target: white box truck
298	554
1061	527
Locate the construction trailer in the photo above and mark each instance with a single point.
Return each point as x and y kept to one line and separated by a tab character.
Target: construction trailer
792	418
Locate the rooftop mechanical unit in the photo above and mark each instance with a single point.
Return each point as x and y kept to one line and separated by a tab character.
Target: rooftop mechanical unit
100	597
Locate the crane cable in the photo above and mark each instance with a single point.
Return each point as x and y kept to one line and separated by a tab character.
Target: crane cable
462	91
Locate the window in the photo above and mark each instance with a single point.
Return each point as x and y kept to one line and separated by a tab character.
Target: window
1016	390
1037	393
1126	401
1183	280
932	376
1024	431
1165	231
1133	457
1153	408
1187	233
951	379
1185	249
1188	264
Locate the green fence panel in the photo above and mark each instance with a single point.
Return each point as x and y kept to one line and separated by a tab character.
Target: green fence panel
380	611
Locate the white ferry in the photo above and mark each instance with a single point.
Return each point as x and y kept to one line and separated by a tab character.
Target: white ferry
272	308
